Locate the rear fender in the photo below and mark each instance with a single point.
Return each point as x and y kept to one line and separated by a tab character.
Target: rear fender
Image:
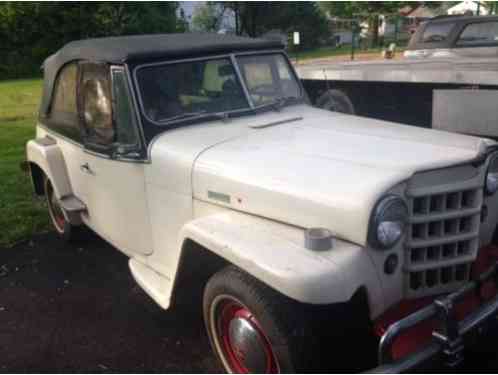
275	254
46	154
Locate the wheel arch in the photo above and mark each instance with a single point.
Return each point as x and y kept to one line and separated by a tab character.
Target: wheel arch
196	265
44	155
264	250
37	178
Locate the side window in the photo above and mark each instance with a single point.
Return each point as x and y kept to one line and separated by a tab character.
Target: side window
63	111
124	116
475	34
96	104
437	32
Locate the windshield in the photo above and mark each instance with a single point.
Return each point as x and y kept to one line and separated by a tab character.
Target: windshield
191	89
268	78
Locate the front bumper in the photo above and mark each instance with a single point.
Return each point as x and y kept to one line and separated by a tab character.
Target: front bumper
448	341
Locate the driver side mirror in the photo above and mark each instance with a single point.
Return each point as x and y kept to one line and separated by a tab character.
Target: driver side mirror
97	112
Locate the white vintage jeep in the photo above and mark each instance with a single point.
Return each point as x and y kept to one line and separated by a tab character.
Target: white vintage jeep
199	156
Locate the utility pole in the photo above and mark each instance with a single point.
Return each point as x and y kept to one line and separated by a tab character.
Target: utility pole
353	33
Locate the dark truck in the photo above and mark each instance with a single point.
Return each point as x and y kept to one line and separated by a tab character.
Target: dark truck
448	79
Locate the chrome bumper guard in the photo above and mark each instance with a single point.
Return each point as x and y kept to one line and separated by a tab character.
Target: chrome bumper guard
448	341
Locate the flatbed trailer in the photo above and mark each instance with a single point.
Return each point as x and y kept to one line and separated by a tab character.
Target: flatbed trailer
448	79
406	91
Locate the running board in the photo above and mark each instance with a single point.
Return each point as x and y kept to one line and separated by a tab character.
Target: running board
71	204
73	208
155	285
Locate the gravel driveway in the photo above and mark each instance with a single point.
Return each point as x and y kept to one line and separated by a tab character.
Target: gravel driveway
76	308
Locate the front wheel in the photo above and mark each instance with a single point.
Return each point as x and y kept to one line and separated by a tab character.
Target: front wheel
250	326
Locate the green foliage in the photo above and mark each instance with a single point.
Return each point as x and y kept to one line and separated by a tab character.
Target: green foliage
350	9
22	215
31	31
370	11
256	18
207	17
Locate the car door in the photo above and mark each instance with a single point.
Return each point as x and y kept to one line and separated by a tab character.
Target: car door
115	183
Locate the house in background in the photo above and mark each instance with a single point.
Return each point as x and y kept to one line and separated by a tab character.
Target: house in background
392	27
341	30
411	18
470	8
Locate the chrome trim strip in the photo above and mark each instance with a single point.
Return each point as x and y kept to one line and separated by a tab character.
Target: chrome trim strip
455	214
120	69
137	112
241	79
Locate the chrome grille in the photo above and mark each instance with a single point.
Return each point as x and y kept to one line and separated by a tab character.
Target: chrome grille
442	240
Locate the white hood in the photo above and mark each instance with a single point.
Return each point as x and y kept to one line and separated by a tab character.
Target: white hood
323	170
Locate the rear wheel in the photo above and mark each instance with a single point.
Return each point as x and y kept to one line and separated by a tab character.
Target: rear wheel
58	217
251	327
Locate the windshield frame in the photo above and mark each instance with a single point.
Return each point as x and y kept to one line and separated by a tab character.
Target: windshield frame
298	99
233	60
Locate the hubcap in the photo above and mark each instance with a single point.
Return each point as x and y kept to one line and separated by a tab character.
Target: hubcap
247	345
243	344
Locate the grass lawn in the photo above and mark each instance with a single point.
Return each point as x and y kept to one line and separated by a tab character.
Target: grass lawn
20	213
323	52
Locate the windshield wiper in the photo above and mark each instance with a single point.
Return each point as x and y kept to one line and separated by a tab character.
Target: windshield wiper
204	113
184	115
279	103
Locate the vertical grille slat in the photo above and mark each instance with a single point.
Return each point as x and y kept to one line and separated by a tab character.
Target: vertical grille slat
442	241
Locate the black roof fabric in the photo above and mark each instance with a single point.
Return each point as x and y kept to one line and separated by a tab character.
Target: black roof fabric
138	47
122	49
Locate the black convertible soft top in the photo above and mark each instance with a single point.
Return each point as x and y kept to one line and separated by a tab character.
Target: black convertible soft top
134	48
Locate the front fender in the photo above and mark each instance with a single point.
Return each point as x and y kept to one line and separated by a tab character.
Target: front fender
275	254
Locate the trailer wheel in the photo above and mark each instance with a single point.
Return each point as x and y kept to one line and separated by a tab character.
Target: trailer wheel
250	326
336	101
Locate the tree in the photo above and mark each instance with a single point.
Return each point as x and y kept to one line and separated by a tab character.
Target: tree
121	18
207	17
257	18
31	31
371	11
365	10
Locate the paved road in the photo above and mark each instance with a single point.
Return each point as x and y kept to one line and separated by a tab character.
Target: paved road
75	308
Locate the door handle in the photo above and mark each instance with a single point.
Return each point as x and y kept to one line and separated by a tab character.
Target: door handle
86	168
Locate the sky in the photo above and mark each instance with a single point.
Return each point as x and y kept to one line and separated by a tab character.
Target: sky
188	7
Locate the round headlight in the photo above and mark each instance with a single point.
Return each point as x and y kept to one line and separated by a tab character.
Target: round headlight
388	222
492	176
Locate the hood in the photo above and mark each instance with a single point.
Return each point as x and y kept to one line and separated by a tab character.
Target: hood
321	169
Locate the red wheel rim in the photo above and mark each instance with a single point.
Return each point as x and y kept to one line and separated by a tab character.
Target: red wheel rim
228	312
55	209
